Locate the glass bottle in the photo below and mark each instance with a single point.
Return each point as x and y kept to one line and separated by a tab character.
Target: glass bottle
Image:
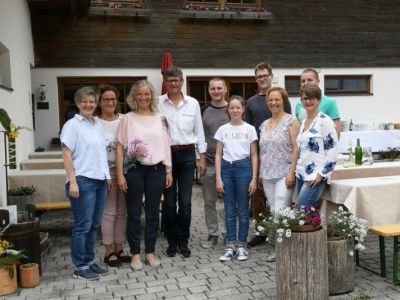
351	125
358	153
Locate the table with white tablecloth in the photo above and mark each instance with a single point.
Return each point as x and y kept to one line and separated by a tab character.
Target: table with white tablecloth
376	199
389	168
378	140
49	183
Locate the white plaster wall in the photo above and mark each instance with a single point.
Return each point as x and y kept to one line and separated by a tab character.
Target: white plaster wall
379	107
15	34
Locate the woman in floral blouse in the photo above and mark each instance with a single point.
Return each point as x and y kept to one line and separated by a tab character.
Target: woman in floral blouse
143	168
317	142
278	151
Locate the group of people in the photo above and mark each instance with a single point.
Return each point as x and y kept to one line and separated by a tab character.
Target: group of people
116	164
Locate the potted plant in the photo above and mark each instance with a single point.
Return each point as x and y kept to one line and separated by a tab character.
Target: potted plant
8	260
283	222
29	275
301	253
22	195
345	233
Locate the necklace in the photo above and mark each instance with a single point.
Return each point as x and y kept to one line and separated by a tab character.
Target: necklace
272	126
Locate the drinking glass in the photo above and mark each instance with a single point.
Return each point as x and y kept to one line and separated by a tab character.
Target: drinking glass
367	156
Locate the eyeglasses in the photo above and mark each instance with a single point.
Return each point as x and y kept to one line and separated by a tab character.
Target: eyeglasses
170	81
305	99
109	100
265	76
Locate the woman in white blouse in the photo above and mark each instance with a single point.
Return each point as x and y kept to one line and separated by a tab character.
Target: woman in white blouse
317	142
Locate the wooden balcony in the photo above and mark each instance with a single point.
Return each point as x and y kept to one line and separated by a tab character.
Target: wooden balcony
129	8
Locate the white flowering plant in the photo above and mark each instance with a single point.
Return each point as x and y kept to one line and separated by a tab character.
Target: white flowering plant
343	223
281	222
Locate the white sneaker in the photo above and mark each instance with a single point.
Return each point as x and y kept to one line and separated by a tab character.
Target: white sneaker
228	255
241	254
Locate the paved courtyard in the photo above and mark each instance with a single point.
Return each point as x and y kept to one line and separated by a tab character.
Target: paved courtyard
201	276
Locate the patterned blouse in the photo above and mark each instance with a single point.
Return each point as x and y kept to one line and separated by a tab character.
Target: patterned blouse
317	148
275	149
145	140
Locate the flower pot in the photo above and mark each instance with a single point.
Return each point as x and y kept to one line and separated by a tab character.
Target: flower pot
340	266
305	228
8	280
29	275
20	201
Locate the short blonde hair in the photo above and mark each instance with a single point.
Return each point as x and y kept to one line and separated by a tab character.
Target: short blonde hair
131	98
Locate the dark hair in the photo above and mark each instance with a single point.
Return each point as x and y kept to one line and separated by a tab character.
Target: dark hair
311	91
240	99
102	90
173	71
282	91
309	70
263	65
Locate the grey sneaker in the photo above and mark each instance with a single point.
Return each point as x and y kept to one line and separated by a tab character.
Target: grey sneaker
211	242
271	257
96	269
86	274
228	255
241	254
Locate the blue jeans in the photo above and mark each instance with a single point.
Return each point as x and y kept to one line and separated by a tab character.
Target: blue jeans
150	181
236	177
177	220
87	211
309	195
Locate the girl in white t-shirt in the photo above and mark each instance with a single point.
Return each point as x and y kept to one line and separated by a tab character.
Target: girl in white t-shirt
236	165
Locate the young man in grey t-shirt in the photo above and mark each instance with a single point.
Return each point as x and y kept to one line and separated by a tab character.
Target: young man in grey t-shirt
213	117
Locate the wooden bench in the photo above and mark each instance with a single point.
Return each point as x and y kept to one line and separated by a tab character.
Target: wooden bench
52	205
388	230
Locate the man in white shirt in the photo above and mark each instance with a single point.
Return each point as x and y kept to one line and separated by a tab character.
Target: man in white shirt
187	136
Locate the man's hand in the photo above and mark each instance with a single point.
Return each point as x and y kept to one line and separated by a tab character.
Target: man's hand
202	165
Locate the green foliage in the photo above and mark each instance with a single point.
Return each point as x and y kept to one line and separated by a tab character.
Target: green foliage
5	119
22	191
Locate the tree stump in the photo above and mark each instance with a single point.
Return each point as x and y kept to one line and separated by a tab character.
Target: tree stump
302	267
340	266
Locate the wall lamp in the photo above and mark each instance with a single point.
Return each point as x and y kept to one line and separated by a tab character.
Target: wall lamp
42	92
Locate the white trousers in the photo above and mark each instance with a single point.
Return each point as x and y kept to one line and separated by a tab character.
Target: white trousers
277	193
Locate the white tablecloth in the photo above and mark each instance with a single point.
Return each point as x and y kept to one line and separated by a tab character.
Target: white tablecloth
50	183
376	199
378	140
375	170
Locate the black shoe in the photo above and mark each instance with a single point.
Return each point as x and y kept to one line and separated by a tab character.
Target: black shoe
123	258
256	240
171	251
184	250
96	269
112	263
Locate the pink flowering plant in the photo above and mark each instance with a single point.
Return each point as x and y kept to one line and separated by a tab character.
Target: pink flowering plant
281	222
343	223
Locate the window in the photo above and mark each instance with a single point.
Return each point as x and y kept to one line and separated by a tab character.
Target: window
67	87
292	85
223	3
347	84
5	68
197	87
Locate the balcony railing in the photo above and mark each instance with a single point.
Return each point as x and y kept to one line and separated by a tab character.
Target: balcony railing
135	8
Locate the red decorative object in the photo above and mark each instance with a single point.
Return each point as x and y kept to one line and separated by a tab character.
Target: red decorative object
166	63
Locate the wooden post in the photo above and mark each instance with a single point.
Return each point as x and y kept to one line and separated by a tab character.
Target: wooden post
302	267
341	267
